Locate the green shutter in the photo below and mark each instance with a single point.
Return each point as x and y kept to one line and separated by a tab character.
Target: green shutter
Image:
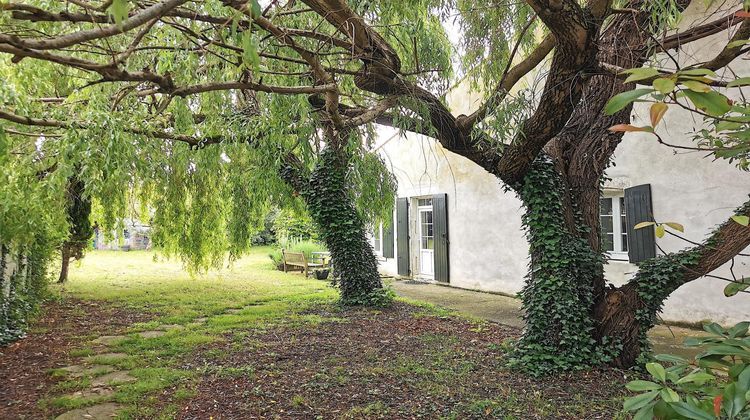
440	230
402	236
638	208
388	238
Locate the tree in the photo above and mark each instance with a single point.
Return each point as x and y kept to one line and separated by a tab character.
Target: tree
81	230
360	63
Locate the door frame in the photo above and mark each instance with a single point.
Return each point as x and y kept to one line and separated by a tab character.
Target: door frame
416	238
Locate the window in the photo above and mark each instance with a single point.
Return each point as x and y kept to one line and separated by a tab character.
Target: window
377	234
614	227
428	241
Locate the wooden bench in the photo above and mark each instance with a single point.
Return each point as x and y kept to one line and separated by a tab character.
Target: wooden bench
297	259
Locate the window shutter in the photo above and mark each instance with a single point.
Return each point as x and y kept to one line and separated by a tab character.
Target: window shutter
440	231
638	208
402	236
388	238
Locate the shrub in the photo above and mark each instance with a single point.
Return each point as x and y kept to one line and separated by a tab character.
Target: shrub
716	384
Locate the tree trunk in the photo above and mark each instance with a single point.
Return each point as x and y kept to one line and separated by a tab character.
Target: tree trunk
331	205
65	253
558	296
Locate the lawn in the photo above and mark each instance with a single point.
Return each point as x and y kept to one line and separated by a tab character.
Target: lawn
252	342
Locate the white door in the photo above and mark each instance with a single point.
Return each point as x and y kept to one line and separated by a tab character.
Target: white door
426	242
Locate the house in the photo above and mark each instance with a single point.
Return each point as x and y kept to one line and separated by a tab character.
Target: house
134	235
454	224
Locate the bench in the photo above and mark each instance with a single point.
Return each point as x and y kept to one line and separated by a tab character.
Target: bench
297	259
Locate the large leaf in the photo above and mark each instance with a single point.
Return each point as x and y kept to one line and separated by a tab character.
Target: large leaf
691	411
639	385
663	85
640	74
657	371
743	220
712	103
635	403
622	100
697	377
742	81
119	10
737	286
657	112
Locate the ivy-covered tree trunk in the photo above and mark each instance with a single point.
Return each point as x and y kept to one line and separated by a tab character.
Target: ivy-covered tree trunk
331	205
558	296
80	231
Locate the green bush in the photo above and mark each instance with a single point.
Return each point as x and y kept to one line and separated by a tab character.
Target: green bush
716	384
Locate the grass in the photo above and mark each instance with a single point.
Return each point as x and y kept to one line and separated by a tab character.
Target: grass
140	281
274	314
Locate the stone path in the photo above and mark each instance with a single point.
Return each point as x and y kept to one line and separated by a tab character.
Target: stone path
507	310
105	378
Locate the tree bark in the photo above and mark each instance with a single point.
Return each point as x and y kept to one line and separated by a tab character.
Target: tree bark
627	313
65	253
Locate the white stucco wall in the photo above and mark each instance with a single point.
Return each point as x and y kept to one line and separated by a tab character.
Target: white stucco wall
488	250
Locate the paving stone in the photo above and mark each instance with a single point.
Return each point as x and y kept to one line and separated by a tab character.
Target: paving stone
151	334
92	393
105	411
76	371
113	378
110	340
106	358
169	327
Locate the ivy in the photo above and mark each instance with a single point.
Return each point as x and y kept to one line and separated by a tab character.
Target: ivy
558	293
331	205
23	289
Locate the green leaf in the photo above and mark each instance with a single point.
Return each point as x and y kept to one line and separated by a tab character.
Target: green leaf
713	328
735	287
622	100
696	86
738	43
676	226
690	411
645	413
712	103
696	377
640	74
740	329
742	81
669	395
119	10
639	385
634	403
671	358
743	220
657	371
660	231
255	9
697	72
664	85
643	225
725	350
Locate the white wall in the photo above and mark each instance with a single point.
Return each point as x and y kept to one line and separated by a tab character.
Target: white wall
488	250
